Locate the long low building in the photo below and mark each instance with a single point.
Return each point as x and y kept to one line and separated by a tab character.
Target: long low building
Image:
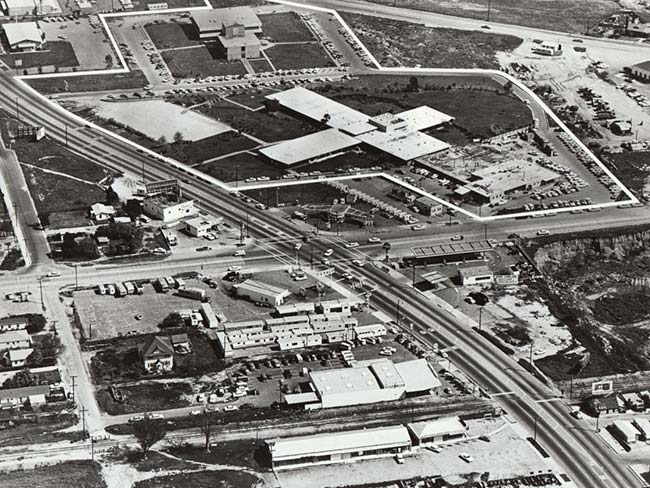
439	430
295	452
309	147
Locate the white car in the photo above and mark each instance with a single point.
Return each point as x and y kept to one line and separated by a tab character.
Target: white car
543	232
196	412
466	457
53	274
351	245
328	253
230	408
234	268
577	413
239	253
417	227
456	237
357	262
136	418
297	246
325	261
374	240
155	416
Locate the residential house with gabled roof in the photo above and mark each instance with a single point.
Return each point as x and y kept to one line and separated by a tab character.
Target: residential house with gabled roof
157	354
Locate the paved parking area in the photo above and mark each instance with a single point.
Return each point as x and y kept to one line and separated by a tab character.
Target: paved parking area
90	45
506	455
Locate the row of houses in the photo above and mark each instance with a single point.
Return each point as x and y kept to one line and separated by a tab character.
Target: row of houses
15	341
622	402
340	447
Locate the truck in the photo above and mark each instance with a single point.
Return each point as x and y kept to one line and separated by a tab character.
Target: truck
193	293
101	289
162	285
120	290
139	290
171	282
130	289
110	289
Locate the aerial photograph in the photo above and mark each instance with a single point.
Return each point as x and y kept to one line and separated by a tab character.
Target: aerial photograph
324	243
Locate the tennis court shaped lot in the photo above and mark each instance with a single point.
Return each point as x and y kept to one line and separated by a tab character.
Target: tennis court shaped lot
156	118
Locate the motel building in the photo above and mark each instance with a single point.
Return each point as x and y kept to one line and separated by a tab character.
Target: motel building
338	447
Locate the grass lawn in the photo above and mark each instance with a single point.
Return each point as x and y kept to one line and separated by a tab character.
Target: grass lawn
200	62
145	397
210	147
47	154
172	34
240	166
267	126
260	65
172	3
202	479
560	15
54	193
54	53
238	452
314	193
28	432
630	167
400	43
122	81
298	56
285	27
80	474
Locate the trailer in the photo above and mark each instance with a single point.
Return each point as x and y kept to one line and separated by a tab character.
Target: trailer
101	289
120	290
162	285
130	289
139	290
193	293
110	289
171	282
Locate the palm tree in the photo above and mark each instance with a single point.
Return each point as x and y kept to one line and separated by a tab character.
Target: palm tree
386	247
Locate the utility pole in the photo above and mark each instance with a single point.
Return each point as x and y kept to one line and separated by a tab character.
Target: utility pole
83	411
40	286
535	429
17	110
66	133
247	225
397	314
413	273
530	361
480	317
73	378
144	180
488	12
76	278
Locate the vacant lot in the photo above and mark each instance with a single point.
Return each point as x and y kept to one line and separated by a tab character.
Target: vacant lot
267	126
315	193
239	167
41	430
204	479
89	83
237	453
54	193
561	15
208	148
285	27
55	53
80	474
298	56
200	62
632	168
145	397
400	43
172	34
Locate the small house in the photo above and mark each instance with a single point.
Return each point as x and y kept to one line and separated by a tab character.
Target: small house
157	354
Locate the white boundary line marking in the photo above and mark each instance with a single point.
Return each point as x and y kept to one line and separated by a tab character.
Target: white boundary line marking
273	184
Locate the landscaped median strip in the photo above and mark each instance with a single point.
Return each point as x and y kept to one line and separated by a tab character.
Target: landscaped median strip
493	74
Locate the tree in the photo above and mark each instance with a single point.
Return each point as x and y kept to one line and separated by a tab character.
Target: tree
413	85
148	432
35	359
21	379
174	319
109	60
178	137
50	346
386	247
36	323
206	427
162	140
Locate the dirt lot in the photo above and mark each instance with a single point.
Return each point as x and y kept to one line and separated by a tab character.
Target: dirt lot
298	56
205	479
563	15
200	62
399	43
316	193
145	397
285	27
122	81
70	473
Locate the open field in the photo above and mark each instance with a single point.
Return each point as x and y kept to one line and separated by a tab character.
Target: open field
89	83
560	15
210	147
237	453
41	431
55	193
199	62
314	193
400	43
239	167
285	27
172	34
204	479
80	474
145	397
55	53
298	56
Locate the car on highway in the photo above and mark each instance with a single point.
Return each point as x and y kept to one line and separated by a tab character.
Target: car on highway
466	457
457	237
543	232
203	248
155	416
53	274
234	268
357	262
136	418
196	412
260	206
328	253
325	261
230	408
417	227
351	245
239	253
297	246
485	26
374	240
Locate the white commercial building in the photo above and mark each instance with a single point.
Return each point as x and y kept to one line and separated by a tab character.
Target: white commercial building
102	213
198	227
369	331
256	291
22	8
338	447
168	210
625	432
477	274
439	430
23	36
643	425
311	146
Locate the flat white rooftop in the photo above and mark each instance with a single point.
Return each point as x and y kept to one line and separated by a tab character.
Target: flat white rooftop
424	117
309	147
403	145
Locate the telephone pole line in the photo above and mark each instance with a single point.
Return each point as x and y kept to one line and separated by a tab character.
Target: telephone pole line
83	411
73	379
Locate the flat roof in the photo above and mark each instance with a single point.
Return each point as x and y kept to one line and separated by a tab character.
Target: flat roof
417	375
475	270
438	427
387	374
626	427
404	145
344	380
645	65
459	247
320	444
300	398
14	319
17	32
248	39
424	117
259	287
509	175
295	308
315	106
210	20
309	147
643	425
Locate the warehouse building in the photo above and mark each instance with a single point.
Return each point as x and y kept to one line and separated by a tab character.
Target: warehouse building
23	36
24	8
641	71
168	208
259	292
428	207
338	447
397	136
312	146
439	430
625	432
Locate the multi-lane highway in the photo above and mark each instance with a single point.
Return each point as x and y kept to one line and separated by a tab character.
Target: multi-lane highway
583	457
